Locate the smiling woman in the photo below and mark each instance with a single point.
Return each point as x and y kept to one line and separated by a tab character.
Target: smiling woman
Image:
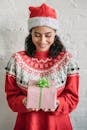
43	38
42	81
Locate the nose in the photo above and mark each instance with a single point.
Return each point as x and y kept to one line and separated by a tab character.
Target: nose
42	39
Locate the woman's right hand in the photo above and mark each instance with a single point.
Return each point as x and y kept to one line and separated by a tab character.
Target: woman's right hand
37	109
30	109
24	101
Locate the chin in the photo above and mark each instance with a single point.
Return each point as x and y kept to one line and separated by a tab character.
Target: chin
43	49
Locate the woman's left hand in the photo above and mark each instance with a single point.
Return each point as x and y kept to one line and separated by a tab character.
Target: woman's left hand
37	109
52	110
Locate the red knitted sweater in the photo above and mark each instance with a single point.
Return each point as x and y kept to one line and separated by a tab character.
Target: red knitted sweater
63	69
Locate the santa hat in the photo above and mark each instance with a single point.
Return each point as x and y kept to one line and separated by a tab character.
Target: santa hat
43	15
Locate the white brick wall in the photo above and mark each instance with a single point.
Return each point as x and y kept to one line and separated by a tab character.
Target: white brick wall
73	32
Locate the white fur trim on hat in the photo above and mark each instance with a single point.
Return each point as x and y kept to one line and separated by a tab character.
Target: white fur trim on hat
43	21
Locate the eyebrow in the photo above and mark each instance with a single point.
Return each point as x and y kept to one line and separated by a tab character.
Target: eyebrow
43	33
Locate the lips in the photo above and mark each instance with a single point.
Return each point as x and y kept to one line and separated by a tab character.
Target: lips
43	45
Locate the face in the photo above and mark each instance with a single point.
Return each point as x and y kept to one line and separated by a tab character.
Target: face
43	37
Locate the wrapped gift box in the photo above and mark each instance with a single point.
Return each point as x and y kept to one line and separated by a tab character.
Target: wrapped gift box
41	97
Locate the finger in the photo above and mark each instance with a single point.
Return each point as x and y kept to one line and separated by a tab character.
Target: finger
36	109
45	109
33	109
52	110
30	109
24	101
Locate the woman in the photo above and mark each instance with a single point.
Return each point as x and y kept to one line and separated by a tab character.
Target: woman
44	56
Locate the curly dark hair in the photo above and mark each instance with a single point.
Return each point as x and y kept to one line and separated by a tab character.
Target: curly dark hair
54	50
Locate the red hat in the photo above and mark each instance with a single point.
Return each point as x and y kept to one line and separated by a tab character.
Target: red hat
43	15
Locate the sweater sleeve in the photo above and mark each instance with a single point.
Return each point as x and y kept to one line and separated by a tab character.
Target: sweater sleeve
13	92
69	97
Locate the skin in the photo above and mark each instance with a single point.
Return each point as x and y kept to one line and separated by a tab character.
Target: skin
46	110
42	37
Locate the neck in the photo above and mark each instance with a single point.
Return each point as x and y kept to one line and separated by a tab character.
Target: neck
41	54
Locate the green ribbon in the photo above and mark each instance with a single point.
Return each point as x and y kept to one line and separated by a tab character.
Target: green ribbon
40	97
42	83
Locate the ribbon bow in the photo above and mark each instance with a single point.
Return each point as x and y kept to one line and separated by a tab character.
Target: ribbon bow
43	82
